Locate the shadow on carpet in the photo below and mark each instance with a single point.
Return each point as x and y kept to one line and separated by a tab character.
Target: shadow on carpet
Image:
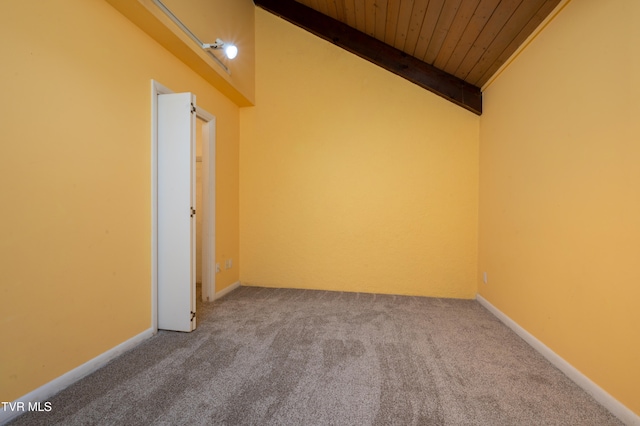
301	357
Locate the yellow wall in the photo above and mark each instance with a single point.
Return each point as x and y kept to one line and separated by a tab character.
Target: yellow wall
352	178
559	192
75	221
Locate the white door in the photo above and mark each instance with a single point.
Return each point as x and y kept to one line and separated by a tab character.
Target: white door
176	211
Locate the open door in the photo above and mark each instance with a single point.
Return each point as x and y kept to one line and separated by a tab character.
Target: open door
176	212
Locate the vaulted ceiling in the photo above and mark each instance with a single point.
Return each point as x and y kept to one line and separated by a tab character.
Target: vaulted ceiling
451	47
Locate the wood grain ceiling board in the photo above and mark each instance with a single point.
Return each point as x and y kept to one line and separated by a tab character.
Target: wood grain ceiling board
488	68
469	39
376	51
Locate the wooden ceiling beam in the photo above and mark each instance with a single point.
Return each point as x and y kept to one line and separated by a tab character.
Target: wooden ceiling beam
424	75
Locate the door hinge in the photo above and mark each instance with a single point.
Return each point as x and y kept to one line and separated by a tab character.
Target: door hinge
193	212
193	108
193	315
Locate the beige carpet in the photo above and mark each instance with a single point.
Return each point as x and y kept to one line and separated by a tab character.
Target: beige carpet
299	357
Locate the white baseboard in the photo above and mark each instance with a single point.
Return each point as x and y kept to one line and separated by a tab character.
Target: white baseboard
226	291
56	385
610	403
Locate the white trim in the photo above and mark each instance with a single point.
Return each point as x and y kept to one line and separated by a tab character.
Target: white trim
609	402
208	204
56	385
227	290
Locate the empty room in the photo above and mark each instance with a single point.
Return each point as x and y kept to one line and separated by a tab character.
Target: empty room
415	212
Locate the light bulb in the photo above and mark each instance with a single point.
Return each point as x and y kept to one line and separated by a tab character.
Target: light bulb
231	51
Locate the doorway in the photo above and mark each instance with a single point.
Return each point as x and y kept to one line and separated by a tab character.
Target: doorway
206	133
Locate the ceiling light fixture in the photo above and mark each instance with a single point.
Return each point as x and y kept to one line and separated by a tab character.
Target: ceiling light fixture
229	49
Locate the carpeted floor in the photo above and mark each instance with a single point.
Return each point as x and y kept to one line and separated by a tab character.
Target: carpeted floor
299	357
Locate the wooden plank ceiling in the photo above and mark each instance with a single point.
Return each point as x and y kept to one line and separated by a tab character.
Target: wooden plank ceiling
463	42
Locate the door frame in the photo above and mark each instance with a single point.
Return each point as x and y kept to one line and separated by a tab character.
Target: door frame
208	201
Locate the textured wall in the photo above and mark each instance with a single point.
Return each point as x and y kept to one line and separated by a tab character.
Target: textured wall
559	197
75	171
352	178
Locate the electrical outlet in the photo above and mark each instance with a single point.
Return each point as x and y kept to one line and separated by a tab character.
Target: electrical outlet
484	277
217	268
